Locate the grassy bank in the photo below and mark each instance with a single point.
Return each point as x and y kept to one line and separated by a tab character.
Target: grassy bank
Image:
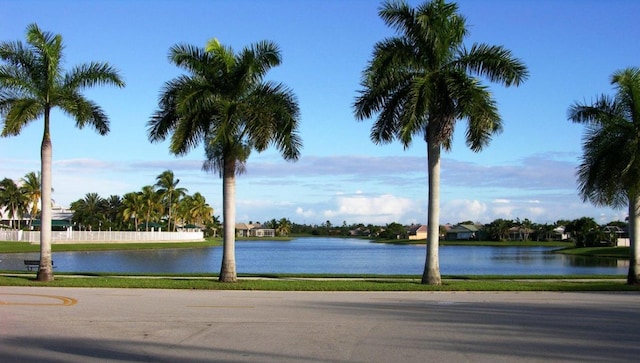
302	283
22	247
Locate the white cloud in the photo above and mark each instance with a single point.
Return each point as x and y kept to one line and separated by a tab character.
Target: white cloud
381	209
456	211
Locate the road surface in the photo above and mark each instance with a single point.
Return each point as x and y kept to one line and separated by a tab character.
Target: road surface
41	324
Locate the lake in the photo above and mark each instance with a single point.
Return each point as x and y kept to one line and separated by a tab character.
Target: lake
330	255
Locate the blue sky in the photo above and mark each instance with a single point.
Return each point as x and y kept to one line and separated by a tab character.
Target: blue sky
571	48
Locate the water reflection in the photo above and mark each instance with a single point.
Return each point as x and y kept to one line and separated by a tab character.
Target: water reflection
329	255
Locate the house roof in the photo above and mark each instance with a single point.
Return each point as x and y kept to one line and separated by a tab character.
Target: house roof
464	228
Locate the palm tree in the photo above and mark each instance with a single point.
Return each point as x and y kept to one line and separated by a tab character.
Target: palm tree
88	211
168	188
283	227
199	210
133	206
13	199
224	103
424	80
32	187
112	211
32	83
152	205
609	172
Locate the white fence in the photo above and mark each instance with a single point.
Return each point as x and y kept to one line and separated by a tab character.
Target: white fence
61	237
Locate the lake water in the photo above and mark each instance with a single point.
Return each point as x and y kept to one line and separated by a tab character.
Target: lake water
329	255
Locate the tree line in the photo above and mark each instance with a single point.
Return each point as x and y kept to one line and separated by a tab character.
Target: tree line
162	205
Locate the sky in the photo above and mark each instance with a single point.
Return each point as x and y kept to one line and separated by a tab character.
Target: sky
570	47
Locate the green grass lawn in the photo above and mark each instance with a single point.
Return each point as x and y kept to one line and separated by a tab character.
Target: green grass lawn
17	247
317	283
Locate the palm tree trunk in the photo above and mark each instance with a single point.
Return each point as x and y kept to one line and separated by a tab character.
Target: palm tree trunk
633	278
228	268
431	274
45	270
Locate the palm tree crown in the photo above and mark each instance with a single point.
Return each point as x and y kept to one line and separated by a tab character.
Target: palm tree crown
224	103
422	81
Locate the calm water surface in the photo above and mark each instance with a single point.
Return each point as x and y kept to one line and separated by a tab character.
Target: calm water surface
328	255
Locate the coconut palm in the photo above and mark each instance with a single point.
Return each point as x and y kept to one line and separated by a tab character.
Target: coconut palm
32	83
283	227
420	82
200	211
224	103
32	187
609	172
14	201
168	188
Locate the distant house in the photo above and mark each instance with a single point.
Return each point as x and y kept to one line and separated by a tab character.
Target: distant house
462	232
417	231
254	230
559	234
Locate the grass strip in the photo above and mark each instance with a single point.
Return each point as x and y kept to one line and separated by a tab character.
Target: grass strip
324	284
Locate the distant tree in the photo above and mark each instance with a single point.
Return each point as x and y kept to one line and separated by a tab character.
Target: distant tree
393	230
609	172
32	83
284	227
133	208
14	200
498	230
113	212
170	193
31	186
580	229
88	212
151	205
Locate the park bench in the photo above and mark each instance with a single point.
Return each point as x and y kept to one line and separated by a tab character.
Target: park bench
31	264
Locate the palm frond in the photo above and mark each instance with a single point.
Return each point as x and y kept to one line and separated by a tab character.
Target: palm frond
493	62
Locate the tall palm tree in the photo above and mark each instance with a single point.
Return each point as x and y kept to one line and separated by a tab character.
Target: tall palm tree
609	172
14	200
420	82
168	187
32	83
224	103
32	187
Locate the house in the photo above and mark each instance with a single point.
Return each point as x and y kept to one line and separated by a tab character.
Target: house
254	230
463	232
417	231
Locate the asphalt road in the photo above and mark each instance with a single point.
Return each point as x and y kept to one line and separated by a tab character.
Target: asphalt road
135	325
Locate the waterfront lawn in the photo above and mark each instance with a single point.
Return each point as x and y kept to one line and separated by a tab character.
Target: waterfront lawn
22	247
291	283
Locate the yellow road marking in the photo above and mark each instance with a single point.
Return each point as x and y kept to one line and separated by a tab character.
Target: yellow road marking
64	301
